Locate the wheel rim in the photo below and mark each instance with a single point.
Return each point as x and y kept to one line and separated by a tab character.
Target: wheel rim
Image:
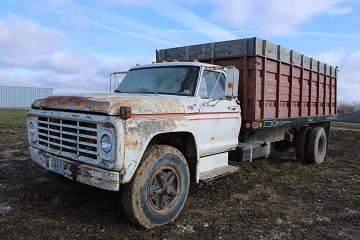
321	146
163	188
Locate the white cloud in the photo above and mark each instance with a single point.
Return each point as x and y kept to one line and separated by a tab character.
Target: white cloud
192	21
41	60
274	17
124	2
95	80
348	75
59	62
329	34
27	35
172	10
27	45
70	63
129	33
334	58
84	15
339	11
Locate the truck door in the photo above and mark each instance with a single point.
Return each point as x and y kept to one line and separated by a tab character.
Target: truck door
219	118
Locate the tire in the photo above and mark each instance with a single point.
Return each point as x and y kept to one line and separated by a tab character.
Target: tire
301	144
158	190
317	145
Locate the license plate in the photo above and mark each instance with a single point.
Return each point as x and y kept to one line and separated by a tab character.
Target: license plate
57	166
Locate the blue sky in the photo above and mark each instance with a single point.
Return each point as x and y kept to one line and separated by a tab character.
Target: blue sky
72	45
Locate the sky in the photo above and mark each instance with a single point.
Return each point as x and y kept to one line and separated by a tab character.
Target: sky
73	45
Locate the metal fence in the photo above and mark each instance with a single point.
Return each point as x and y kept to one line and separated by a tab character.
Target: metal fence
349	117
21	97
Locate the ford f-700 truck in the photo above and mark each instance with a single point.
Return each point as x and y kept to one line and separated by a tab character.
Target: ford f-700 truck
186	118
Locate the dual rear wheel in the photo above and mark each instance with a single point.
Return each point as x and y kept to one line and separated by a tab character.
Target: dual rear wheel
311	145
159	188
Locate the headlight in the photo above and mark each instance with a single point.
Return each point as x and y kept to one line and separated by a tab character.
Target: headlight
106	143
32	129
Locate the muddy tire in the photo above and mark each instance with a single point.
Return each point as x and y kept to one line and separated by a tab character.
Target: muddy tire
316	145
301	144
159	188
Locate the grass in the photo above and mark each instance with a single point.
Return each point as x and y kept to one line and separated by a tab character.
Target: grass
346	125
12	118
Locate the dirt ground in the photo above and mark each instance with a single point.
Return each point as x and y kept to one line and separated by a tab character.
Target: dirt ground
275	198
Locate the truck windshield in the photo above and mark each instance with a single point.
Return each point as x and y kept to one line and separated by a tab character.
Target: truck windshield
174	80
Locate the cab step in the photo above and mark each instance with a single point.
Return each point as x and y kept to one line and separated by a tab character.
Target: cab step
215	173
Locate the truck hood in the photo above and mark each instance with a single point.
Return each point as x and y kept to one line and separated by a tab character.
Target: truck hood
110	103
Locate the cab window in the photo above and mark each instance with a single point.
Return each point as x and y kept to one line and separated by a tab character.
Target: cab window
212	85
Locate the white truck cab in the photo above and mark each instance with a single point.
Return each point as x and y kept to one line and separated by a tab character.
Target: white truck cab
166	123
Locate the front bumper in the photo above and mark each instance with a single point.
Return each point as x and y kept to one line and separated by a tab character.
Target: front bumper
76	171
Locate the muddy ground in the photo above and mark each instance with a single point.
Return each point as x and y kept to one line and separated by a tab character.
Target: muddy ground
276	198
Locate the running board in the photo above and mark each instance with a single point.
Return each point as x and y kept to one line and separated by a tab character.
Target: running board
217	173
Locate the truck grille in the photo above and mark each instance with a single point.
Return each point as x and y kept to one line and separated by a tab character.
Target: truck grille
75	137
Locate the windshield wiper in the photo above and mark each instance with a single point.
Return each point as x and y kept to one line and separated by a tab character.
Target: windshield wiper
140	90
144	90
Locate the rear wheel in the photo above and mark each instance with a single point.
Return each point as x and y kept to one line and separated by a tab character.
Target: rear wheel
301	144
316	145
159	188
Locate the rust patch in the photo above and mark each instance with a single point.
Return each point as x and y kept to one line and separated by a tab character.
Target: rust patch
131	143
71	102
110	103
74	171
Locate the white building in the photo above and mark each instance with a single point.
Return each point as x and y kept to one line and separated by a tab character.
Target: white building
21	97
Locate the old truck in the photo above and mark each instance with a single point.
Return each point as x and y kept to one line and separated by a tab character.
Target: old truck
186	119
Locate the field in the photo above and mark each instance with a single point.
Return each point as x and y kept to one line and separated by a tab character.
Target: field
275	198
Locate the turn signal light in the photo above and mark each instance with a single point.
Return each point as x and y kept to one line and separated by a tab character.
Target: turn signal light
125	112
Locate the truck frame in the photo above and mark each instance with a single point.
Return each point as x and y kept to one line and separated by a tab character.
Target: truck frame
179	121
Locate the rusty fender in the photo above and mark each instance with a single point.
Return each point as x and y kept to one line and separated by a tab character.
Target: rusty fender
139	131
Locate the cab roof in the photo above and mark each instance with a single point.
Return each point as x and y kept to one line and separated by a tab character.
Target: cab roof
167	64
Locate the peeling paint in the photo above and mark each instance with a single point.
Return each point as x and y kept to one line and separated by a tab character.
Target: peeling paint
110	103
83	173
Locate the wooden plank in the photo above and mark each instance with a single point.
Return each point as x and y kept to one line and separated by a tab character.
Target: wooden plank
336	79
263	81
301	85
331	81
278	85
291	82
310	88
245	85
318	92
325	78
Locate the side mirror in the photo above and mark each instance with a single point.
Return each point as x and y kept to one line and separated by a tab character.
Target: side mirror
232	82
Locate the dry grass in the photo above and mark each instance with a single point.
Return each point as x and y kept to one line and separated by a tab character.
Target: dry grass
12	118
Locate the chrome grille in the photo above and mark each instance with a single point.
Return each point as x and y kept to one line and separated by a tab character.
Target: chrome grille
75	137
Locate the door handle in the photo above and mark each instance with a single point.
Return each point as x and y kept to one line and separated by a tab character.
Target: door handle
232	107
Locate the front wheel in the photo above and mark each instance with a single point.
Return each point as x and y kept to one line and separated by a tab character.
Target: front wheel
159	188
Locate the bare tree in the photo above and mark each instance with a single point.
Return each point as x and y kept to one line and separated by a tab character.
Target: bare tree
345	107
